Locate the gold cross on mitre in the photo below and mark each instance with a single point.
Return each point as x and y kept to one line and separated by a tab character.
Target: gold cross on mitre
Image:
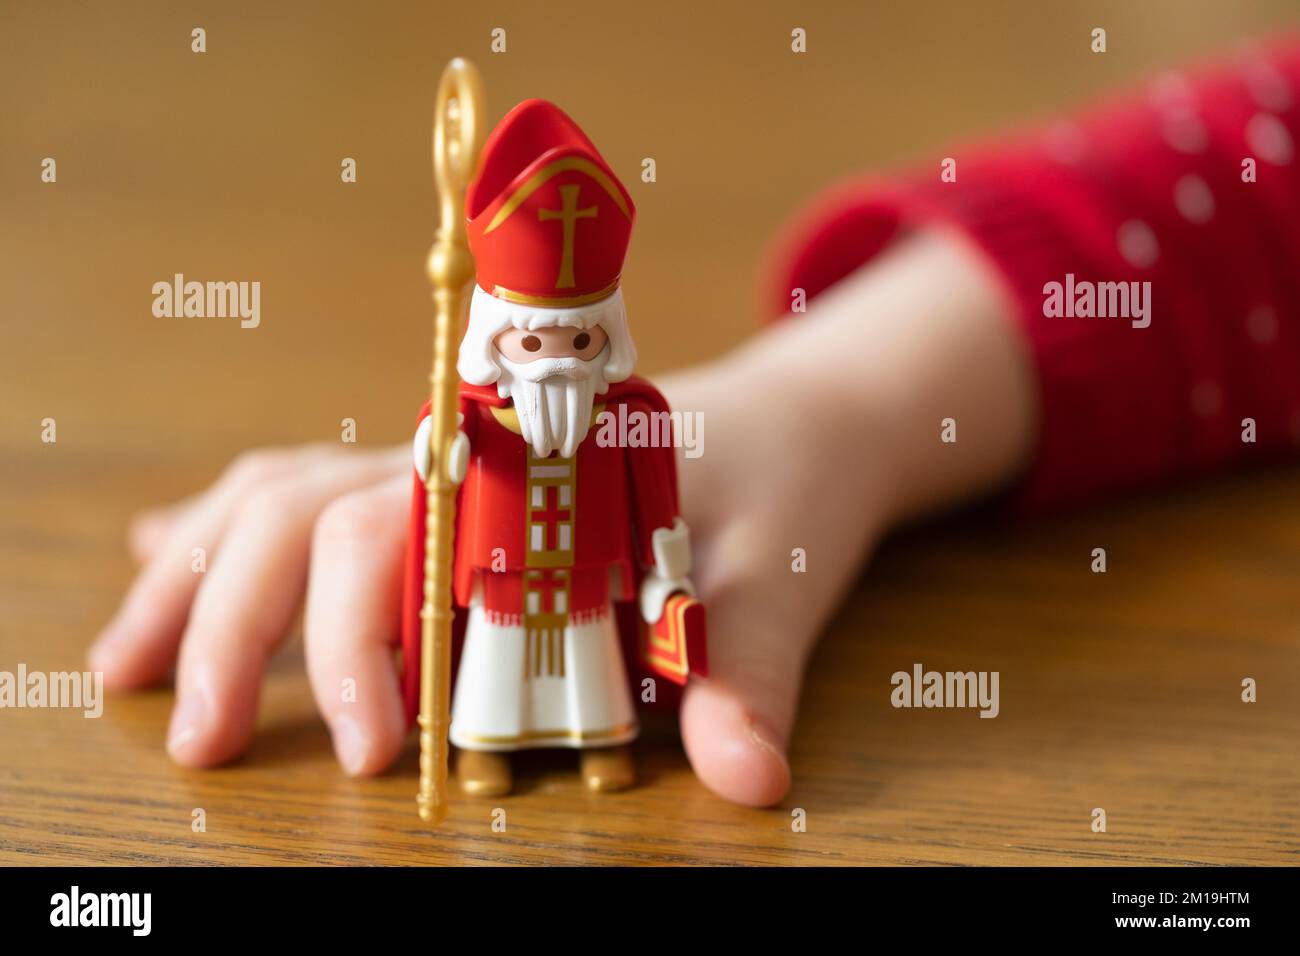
568	214
579	199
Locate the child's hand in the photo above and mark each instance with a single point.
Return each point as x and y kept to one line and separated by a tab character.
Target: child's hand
318	518
816	436
820	435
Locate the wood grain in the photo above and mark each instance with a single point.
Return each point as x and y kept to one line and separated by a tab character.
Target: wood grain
1118	690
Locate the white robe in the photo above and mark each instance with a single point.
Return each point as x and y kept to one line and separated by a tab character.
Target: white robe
581	700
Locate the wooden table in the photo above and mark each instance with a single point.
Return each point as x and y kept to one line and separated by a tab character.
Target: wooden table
1119	691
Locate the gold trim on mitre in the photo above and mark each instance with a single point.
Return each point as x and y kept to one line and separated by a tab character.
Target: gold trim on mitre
579	164
554	301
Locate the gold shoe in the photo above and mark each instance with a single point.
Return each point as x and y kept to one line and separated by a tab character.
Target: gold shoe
484	773
608	768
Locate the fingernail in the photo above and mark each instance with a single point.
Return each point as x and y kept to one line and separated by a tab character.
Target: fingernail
764	736
187	721
350	745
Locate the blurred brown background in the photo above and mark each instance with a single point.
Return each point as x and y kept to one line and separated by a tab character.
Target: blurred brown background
225	166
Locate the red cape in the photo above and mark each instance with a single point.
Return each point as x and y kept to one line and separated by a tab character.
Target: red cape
628	614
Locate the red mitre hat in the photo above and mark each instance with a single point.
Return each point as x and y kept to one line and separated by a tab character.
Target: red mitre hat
548	220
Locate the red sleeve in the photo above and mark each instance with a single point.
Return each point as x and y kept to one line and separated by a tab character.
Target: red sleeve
1147	188
653	473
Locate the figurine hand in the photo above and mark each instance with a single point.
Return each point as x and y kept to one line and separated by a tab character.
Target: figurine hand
458	457
457	454
671	572
655	592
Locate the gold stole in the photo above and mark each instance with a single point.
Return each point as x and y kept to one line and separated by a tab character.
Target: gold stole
550	497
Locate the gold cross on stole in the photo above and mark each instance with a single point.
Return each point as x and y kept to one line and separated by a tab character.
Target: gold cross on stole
550	500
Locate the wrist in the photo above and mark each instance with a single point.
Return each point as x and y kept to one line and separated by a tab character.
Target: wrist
921	373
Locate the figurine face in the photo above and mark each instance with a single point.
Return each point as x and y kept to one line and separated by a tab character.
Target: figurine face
524	345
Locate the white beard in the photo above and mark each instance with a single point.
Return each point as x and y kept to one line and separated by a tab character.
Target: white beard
553	398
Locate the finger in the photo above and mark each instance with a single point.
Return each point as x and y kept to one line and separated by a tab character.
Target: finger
246	604
736	724
354	596
148	530
138	646
735	727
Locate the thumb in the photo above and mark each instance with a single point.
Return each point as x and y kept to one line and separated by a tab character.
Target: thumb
736	723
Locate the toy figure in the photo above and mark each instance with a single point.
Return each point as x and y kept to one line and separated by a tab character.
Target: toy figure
570	560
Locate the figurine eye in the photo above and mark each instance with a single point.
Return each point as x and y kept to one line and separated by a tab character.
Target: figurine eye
581	341
531	343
